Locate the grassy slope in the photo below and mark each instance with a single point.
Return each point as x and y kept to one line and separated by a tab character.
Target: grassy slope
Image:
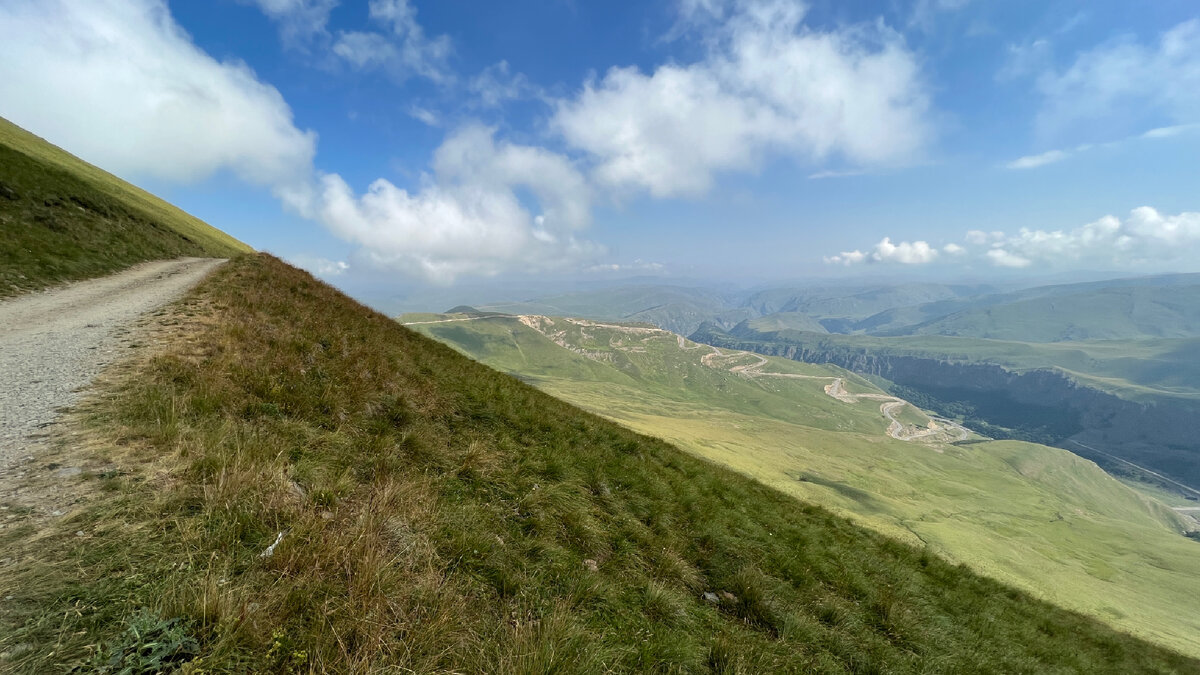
63	219
1037	517
440	516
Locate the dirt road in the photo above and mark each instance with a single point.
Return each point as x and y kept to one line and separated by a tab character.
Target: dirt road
889	407
53	343
422	323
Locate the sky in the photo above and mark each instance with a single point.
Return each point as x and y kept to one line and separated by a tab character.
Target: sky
412	144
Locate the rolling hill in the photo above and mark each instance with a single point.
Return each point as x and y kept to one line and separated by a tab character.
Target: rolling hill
1126	404
62	219
1037	517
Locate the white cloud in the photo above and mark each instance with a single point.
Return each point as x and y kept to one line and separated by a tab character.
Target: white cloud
321	267
1002	258
1053	156
768	85
905	253
1128	82
495	85
1146	238
978	237
1170	132
82	73
366	49
846	258
425	116
299	20
467	218
1034	161
402	50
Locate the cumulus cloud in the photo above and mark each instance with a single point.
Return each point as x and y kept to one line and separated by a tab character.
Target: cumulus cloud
1146	238
467	218
1003	258
401	48
767	85
78	72
905	253
846	258
299	20
1127	82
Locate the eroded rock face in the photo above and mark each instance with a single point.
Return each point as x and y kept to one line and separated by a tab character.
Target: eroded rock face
1159	434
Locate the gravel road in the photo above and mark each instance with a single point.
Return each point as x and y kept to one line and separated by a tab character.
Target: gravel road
53	343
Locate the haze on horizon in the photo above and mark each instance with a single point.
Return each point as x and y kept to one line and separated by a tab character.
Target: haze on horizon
410	146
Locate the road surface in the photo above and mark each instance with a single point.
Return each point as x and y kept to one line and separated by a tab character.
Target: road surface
53	343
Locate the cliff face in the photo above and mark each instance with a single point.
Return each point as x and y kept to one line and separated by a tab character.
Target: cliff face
1159	434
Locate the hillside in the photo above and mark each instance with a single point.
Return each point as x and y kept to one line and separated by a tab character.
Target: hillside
1033	516
842	305
299	483
1126	404
1107	314
783	321
62	219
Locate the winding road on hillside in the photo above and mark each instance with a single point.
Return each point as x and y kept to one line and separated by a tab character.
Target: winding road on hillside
938	430
836	388
53	343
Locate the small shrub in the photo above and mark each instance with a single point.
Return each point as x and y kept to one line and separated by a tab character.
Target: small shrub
151	644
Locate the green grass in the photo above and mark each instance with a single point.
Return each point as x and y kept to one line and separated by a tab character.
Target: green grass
62	219
442	517
1039	518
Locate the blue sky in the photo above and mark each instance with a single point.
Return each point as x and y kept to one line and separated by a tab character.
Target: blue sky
413	144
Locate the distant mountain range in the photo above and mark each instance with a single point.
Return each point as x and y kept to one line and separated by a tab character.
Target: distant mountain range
1166	306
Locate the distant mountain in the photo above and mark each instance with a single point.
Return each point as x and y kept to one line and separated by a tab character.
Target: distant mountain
832	302
782	321
676	308
1155	307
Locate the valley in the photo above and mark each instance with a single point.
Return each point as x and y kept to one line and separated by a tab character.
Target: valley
1035	516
